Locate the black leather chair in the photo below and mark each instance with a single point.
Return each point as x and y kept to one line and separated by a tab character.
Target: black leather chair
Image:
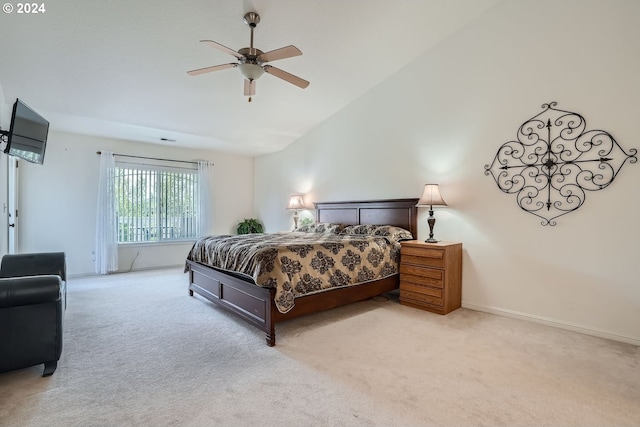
32	305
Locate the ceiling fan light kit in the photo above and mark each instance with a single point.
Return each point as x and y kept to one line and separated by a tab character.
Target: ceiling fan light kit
251	71
251	61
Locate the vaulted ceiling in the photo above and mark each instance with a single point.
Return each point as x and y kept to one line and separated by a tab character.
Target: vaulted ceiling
118	68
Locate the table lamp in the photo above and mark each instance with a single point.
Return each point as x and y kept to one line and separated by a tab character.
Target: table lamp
431	197
295	203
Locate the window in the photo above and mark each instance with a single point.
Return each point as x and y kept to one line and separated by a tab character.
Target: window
156	203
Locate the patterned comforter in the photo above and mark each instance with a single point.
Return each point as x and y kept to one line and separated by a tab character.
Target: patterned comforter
297	263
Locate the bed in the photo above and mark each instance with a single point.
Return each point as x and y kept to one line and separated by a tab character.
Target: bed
238	293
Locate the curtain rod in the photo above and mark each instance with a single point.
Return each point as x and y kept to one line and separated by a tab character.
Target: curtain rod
152	158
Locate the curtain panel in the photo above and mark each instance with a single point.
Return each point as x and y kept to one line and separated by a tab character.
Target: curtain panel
106	221
205	187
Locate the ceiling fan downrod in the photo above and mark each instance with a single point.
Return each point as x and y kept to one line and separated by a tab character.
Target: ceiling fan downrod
252	19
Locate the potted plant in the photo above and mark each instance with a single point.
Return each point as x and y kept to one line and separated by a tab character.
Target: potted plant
250	225
305	221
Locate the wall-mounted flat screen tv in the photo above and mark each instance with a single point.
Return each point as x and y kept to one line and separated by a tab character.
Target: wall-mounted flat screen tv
27	137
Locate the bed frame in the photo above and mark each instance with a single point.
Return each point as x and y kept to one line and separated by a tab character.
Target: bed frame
256	305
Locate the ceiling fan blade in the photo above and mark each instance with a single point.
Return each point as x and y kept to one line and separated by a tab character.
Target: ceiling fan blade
249	87
211	69
301	83
222	48
282	53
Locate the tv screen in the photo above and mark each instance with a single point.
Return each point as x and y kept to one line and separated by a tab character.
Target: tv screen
27	138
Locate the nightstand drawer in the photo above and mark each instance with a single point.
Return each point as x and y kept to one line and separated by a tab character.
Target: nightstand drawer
422	256
426	290
416	270
418	298
431	278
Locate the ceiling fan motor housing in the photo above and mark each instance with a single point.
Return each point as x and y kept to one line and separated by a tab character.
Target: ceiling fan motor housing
250	54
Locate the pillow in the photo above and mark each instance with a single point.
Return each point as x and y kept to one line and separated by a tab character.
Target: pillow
359	229
395	234
321	227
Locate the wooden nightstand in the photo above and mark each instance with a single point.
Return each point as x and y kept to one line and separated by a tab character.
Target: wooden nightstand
431	275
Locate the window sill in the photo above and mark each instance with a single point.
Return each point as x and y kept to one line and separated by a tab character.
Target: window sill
162	243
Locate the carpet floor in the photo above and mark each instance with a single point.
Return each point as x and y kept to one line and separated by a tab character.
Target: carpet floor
138	351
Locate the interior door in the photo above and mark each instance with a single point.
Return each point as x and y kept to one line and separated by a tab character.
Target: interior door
12	203
4	204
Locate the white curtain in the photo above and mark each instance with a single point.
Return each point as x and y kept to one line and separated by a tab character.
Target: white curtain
106	221
204	195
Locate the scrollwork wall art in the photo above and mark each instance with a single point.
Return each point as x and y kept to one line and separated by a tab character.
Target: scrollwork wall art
555	161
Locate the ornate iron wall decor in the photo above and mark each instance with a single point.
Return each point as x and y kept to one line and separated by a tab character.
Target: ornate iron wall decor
555	161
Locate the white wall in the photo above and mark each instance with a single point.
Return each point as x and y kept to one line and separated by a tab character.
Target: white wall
57	205
442	118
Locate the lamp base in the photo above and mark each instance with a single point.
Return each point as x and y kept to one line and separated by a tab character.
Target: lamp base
295	220
432	222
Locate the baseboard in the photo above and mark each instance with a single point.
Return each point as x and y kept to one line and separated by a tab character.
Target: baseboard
157	267
152	267
552	322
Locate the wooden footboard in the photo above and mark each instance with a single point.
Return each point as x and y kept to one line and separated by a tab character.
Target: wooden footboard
251	302
256	304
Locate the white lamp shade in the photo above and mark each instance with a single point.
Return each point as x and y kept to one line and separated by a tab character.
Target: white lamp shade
431	196
295	202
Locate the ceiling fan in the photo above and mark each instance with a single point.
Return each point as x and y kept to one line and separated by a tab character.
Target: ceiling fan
251	61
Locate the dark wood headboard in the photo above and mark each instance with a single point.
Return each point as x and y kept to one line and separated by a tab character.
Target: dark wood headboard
398	212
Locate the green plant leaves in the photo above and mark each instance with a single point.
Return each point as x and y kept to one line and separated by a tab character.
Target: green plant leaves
250	225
